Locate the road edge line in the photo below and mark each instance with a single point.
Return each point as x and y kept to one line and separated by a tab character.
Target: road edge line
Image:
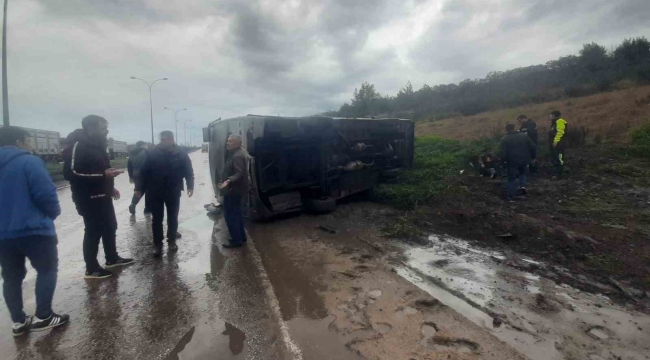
273	301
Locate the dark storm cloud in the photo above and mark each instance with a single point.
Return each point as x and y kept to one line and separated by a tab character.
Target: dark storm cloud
225	58
473	37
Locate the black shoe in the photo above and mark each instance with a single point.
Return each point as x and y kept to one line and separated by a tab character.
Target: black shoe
100	273
157	251
119	262
232	245
53	321
20	329
524	192
132	209
172	247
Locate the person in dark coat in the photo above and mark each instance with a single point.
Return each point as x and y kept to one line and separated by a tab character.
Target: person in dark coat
29	207
162	180
88	168
134	167
488	164
529	127
234	189
517	151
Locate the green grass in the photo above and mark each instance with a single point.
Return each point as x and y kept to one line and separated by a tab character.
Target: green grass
641	139
437	162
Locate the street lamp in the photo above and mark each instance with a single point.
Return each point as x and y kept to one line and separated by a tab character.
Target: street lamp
150	102
185	129
175	120
5	95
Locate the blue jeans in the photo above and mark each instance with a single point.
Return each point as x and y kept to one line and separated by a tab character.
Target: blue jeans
43	255
513	172
232	213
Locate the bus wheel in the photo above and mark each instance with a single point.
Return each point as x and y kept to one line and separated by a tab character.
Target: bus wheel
321	206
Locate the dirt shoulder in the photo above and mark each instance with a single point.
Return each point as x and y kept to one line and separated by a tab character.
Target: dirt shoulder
338	282
593	226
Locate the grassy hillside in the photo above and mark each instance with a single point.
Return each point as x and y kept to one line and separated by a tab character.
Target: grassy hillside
608	116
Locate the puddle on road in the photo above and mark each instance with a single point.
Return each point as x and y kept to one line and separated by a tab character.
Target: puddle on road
206	341
542	320
301	306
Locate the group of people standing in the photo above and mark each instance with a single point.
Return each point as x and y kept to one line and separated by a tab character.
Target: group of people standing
519	152
30	205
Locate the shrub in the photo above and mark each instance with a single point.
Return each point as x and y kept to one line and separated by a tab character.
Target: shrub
640	137
436	161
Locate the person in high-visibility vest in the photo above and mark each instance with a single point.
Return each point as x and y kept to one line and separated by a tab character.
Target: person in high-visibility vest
556	142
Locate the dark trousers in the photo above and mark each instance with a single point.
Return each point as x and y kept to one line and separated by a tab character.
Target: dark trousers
557	158
232	213
42	253
135	200
101	224
157	204
515	171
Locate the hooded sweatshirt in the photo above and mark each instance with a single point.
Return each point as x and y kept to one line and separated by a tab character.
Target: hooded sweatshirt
86	161
27	194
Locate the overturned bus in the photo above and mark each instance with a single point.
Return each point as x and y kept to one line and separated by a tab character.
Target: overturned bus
310	162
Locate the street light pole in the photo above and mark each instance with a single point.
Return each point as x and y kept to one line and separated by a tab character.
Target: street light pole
150	102
175	120
185	129
5	95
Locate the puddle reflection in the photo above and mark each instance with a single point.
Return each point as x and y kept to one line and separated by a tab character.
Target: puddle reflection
208	342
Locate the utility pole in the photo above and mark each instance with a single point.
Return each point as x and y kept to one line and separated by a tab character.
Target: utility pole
175	120
185	129
150	99
5	94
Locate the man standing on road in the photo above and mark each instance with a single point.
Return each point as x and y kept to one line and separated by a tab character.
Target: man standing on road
29	207
89	171
162	180
517	151
234	189
556	143
134	167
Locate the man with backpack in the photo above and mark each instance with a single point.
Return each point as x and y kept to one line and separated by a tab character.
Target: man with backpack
29	207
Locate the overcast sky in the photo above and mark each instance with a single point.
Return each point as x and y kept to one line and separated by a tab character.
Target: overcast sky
71	58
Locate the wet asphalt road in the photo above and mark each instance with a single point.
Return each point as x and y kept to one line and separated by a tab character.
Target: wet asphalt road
203	302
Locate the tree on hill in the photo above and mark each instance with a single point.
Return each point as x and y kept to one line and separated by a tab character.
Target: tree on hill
593	70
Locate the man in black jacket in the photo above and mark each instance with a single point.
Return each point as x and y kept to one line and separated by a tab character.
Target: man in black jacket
162	179
529	127
517	151
134	167
89	171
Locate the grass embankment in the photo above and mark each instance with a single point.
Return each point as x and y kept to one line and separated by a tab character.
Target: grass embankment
56	169
595	221
608	116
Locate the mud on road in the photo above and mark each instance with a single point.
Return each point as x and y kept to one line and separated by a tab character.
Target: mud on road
315	287
338	278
